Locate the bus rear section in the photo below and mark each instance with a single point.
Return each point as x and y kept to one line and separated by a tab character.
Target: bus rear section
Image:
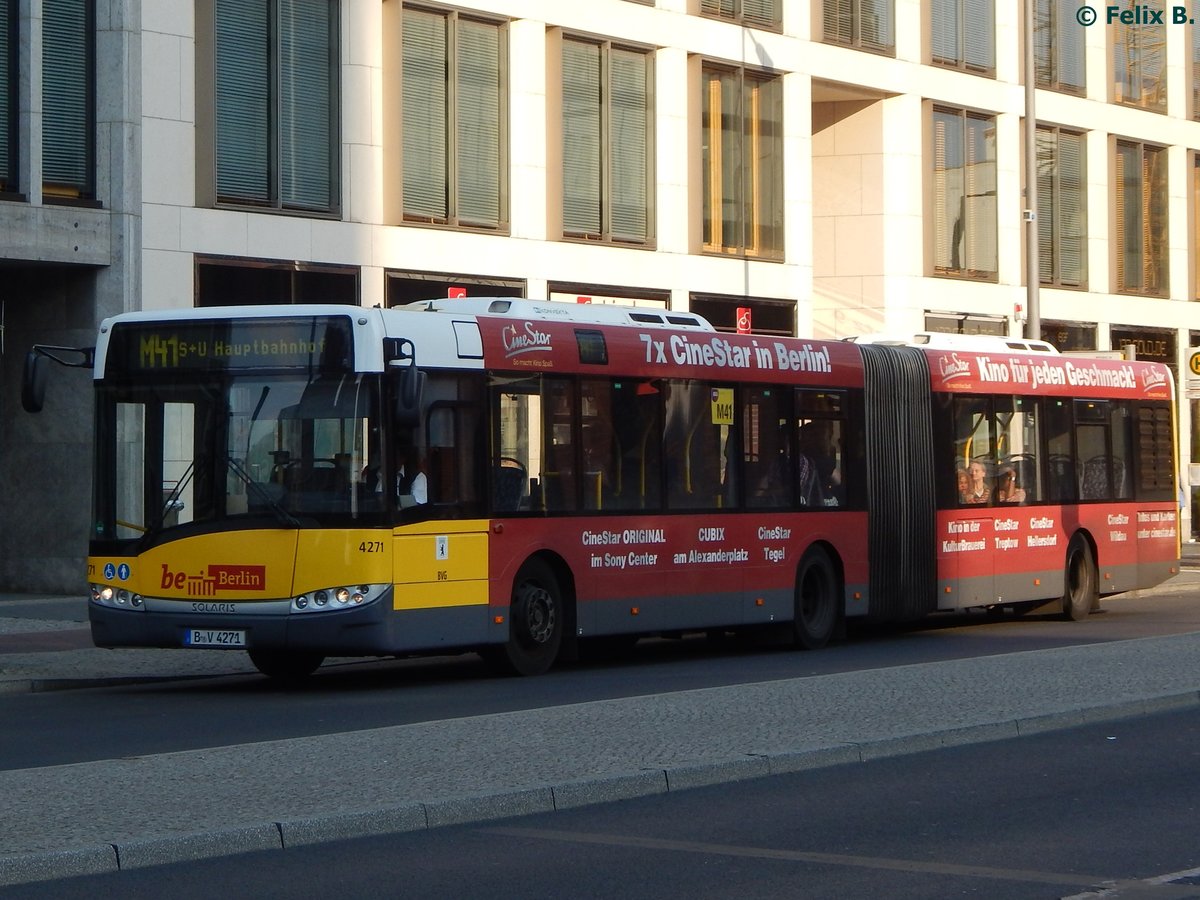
1056	479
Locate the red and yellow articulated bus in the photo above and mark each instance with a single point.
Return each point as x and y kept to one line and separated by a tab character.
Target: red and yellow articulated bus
517	477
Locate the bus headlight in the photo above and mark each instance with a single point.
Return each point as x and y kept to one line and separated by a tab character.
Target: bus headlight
116	598
335	598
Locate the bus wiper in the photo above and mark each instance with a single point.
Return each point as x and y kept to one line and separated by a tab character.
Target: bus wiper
173	497
262	494
156	525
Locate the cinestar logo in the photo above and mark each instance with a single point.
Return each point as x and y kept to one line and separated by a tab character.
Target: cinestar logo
527	340
218	578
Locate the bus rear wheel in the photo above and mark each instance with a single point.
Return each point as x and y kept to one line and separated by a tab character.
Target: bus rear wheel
535	623
816	604
1080	593
282	665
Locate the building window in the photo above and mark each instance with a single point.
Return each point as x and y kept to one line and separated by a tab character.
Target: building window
400	288
1061	207
1139	65
1069	335
964	193
1196	224
9	50
767	316
965	323
606	116
1141	219
453	120
1195	60
1058	46
863	24
1150	344
68	101
276	103
743	163
964	34
244	282
755	13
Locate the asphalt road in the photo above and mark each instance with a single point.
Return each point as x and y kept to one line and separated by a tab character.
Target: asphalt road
148	719
1105	810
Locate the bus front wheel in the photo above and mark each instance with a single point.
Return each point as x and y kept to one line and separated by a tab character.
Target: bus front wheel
282	665
535	622
816	610
1080	593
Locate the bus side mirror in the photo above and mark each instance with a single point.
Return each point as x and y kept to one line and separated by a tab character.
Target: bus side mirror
410	388
33	382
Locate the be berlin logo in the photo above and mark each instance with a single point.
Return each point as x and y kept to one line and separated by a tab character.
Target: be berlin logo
1136	15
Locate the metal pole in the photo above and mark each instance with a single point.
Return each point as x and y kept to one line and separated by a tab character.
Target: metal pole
1033	311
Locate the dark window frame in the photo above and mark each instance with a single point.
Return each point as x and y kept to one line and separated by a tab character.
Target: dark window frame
452	213
69	108
965	269
1055	28
842	25
967	22
10	162
274	191
1154	263
1050	199
753	176
609	149
735	11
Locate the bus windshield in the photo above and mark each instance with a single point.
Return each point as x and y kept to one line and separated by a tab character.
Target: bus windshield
204	448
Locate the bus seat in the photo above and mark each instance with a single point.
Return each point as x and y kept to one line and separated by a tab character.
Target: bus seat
508	487
1093	484
1061	483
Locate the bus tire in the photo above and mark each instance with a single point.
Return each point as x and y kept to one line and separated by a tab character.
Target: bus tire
536	618
816	600
284	665
1080	592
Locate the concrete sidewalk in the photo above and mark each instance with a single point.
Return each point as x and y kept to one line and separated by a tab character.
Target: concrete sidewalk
125	813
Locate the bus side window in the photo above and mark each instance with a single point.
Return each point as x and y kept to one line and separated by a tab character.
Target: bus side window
974	448
1122	455
766	447
693	447
1155	452
637	427
1061	480
600	456
1091	446
558	475
451	464
819	465
1018	479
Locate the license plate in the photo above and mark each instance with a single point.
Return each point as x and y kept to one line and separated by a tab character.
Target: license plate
202	637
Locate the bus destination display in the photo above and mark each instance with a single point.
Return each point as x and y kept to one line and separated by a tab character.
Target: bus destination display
323	343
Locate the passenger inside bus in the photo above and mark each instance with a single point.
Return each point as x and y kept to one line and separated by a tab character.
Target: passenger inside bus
412	485
1008	487
977	490
964	484
817	470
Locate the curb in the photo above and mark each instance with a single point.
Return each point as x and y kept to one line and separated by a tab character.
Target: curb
102	859
48	685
